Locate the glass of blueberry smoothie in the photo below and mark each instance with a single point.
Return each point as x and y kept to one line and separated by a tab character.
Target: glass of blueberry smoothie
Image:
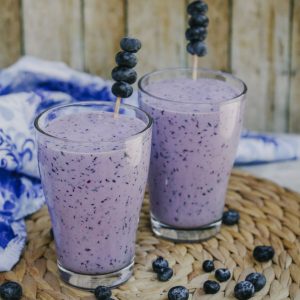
196	129
94	168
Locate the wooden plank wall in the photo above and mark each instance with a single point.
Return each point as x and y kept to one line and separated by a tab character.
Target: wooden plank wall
10	32
294	113
258	40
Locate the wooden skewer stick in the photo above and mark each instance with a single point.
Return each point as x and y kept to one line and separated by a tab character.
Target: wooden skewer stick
195	66
117	107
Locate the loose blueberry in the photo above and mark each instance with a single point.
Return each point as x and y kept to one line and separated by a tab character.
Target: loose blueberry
159	264
102	293
126	59
211	287
258	280
263	253
231	217
122	89
130	44
222	274
199	20
124	74
197	7
244	290
196	33
208	266
178	293
165	274
10	291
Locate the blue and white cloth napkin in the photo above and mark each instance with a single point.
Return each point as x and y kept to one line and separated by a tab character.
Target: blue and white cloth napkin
32	85
27	88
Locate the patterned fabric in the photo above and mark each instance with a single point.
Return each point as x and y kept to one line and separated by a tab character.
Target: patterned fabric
27	88
257	148
32	85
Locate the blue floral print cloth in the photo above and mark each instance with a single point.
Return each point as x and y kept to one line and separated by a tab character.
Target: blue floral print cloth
27	88
32	85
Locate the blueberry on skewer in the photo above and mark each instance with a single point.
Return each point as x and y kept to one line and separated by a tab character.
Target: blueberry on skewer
197	32
123	74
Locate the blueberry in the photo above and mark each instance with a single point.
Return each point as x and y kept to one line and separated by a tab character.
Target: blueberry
178	293
199	20
231	217
244	290
196	33
198	48
122	89
258	280
10	290
165	274
211	287
263	253
124	74
190	48
102	293
197	7
222	274
159	263
130	44
208	265
126	59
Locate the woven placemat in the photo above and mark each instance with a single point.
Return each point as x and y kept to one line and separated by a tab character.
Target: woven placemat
270	215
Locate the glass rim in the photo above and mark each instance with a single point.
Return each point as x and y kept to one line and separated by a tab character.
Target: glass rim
89	103
205	70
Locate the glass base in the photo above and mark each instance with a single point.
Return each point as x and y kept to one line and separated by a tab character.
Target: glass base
90	282
185	234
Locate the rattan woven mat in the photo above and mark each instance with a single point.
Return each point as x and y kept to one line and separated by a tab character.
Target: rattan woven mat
270	214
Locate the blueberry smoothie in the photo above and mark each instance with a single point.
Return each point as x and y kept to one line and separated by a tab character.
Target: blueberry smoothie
94	174
196	131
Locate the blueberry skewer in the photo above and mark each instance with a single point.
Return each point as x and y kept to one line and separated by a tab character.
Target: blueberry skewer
124	74
197	32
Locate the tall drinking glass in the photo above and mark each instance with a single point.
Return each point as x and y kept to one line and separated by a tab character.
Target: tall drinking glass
197	125
94	170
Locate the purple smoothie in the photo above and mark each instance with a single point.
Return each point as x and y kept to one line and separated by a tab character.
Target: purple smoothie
195	135
94	186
